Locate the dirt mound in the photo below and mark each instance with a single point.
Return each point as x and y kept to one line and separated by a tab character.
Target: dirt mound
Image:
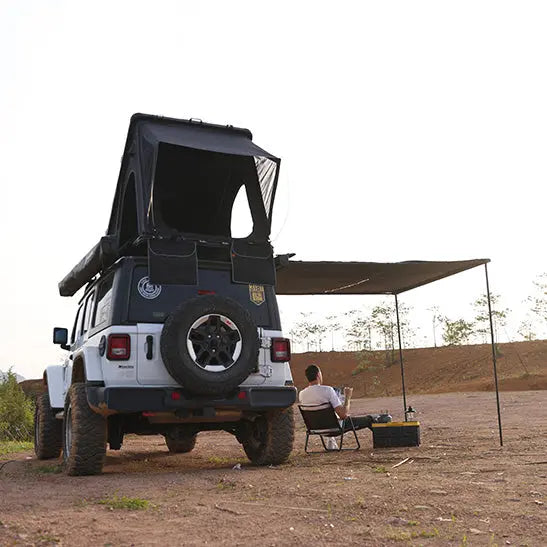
522	366
32	388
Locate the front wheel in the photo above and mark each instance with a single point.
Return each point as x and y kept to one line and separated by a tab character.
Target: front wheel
269	438
84	435
48	430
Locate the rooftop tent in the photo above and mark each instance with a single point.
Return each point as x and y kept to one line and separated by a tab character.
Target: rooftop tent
187	175
174	198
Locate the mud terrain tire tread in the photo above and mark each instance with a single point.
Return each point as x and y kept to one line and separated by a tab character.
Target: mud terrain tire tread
180	445
278	439
89	432
49	440
180	364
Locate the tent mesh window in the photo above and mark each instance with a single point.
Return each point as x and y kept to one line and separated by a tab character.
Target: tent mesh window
194	190
266	170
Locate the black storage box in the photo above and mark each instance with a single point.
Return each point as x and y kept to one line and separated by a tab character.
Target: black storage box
396	434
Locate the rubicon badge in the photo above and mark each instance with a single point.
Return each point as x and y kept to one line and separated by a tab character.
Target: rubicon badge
256	294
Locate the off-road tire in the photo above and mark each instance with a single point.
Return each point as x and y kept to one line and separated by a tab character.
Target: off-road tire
180	444
181	365
87	450
48	430
269	439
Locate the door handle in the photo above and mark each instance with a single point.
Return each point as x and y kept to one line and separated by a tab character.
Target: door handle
149	347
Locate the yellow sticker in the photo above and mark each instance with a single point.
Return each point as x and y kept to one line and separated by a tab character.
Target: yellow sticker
256	294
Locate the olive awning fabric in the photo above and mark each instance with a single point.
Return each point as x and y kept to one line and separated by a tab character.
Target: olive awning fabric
297	277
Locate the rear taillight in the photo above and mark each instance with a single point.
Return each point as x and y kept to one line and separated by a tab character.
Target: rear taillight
119	347
280	350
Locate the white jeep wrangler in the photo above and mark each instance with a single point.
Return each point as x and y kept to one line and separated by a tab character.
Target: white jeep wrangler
178	330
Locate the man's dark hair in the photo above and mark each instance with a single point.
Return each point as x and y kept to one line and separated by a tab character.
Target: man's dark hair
311	373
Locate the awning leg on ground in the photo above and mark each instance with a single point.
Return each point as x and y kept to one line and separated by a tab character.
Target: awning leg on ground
493	352
401	355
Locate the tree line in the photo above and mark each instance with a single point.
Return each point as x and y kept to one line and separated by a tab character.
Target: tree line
376	328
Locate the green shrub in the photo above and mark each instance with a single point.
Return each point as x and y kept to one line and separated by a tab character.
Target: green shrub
12	447
16	411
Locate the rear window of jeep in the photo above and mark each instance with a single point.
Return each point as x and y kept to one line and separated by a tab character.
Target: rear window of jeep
150	303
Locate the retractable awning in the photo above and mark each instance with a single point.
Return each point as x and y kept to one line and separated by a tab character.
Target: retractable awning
297	277
389	278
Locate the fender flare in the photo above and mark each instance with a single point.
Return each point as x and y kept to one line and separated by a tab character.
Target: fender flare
86	365
54	382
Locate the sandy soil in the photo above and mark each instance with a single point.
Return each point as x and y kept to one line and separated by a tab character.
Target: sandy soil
461	487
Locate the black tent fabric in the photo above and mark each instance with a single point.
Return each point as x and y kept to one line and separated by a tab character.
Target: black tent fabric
201	136
297	277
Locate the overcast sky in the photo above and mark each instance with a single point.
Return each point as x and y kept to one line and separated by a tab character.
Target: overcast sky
407	130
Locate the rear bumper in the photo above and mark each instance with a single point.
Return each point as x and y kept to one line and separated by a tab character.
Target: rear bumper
142	399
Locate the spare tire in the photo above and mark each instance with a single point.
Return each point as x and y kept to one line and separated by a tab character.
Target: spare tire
210	345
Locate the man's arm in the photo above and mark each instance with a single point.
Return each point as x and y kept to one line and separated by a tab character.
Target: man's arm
343	410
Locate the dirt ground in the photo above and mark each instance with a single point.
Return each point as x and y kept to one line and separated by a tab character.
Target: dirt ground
458	488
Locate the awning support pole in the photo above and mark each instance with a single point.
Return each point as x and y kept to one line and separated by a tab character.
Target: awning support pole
401	355
493	352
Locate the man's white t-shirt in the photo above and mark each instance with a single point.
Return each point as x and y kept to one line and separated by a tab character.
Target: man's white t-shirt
318	395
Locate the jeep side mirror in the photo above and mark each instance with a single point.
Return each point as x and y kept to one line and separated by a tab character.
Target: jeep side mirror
60	336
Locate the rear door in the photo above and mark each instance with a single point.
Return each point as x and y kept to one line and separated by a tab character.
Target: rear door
150	368
150	305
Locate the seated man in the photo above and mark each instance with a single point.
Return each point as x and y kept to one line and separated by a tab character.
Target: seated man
318	394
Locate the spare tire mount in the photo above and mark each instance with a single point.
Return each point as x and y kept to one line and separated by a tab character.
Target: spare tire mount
210	345
214	342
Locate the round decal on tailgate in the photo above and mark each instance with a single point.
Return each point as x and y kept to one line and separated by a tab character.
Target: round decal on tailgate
148	290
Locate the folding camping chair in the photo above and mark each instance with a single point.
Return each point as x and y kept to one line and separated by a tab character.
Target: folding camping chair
322	420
